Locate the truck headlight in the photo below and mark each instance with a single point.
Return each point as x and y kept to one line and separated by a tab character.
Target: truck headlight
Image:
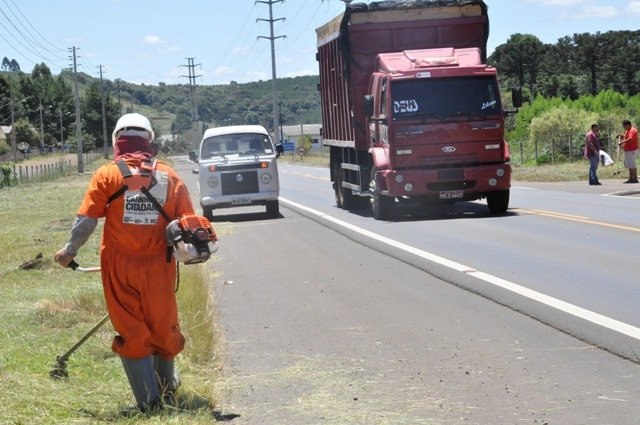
493	182
266	178
500	172
213	182
408	187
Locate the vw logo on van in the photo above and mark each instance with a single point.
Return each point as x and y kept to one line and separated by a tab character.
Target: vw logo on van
239	178
448	149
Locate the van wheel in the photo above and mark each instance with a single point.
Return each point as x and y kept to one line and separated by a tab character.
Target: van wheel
381	205
207	211
344	196
498	202
273	209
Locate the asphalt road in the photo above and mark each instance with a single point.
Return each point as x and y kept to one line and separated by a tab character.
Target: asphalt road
326	325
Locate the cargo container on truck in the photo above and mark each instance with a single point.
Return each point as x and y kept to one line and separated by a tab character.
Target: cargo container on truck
410	110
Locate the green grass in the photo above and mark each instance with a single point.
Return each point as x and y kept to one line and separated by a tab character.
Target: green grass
45	310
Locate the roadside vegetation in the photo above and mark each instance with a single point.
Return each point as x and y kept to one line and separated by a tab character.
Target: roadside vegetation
45	310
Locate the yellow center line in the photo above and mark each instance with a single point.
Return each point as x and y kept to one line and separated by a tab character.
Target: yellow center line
577	218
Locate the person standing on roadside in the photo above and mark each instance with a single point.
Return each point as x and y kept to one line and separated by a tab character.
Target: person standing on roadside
629	142
138	277
592	152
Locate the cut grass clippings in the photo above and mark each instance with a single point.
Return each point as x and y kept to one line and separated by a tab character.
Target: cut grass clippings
45	310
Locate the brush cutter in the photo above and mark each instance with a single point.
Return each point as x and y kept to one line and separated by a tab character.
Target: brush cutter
59	370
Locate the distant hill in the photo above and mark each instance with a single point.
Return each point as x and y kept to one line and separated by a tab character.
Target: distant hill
228	104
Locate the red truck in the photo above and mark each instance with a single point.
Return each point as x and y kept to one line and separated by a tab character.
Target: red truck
410	110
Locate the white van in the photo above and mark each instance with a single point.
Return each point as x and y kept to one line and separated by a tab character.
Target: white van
237	167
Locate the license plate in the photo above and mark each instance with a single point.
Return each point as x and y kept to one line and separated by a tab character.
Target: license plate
451	194
240	201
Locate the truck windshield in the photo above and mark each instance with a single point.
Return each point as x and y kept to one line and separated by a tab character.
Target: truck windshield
241	144
445	98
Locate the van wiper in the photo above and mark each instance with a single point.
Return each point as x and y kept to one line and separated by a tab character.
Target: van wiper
250	152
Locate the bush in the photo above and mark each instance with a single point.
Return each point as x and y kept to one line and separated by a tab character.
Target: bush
6	176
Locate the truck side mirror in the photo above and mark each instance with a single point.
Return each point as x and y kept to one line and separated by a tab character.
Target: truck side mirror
516	96
368	105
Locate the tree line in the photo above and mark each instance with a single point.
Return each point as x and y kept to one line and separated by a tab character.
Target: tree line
43	108
579	80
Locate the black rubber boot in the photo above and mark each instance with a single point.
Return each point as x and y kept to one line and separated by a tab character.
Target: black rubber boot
168	379
144	383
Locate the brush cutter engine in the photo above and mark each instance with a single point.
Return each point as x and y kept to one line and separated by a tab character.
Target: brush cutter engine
192	238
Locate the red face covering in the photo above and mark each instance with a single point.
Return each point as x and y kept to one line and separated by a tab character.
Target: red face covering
132	147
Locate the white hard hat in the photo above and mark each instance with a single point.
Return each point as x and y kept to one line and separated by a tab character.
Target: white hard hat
133	125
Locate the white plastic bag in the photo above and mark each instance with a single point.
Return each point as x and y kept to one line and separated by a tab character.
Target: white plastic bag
605	159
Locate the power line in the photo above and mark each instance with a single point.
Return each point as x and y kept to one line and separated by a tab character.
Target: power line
241	31
32	49
28	31
34	28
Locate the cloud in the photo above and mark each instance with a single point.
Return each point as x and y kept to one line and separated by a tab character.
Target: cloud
634	7
222	70
152	39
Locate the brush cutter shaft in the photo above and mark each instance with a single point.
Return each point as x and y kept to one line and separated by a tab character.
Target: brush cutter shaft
63	358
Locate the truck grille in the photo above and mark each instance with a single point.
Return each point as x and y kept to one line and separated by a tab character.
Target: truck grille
449	161
240	182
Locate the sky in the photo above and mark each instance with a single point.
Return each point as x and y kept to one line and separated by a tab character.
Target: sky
151	41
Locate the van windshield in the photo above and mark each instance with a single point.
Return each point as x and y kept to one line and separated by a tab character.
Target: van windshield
445	98
240	144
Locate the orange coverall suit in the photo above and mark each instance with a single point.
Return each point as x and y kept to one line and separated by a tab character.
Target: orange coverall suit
138	281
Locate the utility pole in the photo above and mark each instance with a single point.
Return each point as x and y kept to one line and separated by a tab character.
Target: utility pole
119	98
105	144
14	148
78	120
272	38
194	104
61	128
40	108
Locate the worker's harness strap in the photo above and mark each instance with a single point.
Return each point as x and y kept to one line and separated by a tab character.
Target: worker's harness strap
142	182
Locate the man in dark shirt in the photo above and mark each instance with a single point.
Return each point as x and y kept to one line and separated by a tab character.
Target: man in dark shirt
592	152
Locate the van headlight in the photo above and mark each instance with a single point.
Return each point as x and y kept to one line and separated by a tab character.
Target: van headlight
265	178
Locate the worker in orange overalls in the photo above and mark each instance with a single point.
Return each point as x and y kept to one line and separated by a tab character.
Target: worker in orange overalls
138	275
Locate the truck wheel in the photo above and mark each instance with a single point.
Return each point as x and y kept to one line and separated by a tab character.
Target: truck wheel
344	197
273	209
498	201
381	205
207	211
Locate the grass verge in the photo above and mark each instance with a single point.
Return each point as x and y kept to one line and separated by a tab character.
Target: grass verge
46	309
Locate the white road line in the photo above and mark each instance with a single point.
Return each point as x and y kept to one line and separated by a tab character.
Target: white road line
566	307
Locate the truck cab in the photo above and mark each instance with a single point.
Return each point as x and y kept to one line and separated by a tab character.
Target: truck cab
237	167
436	129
